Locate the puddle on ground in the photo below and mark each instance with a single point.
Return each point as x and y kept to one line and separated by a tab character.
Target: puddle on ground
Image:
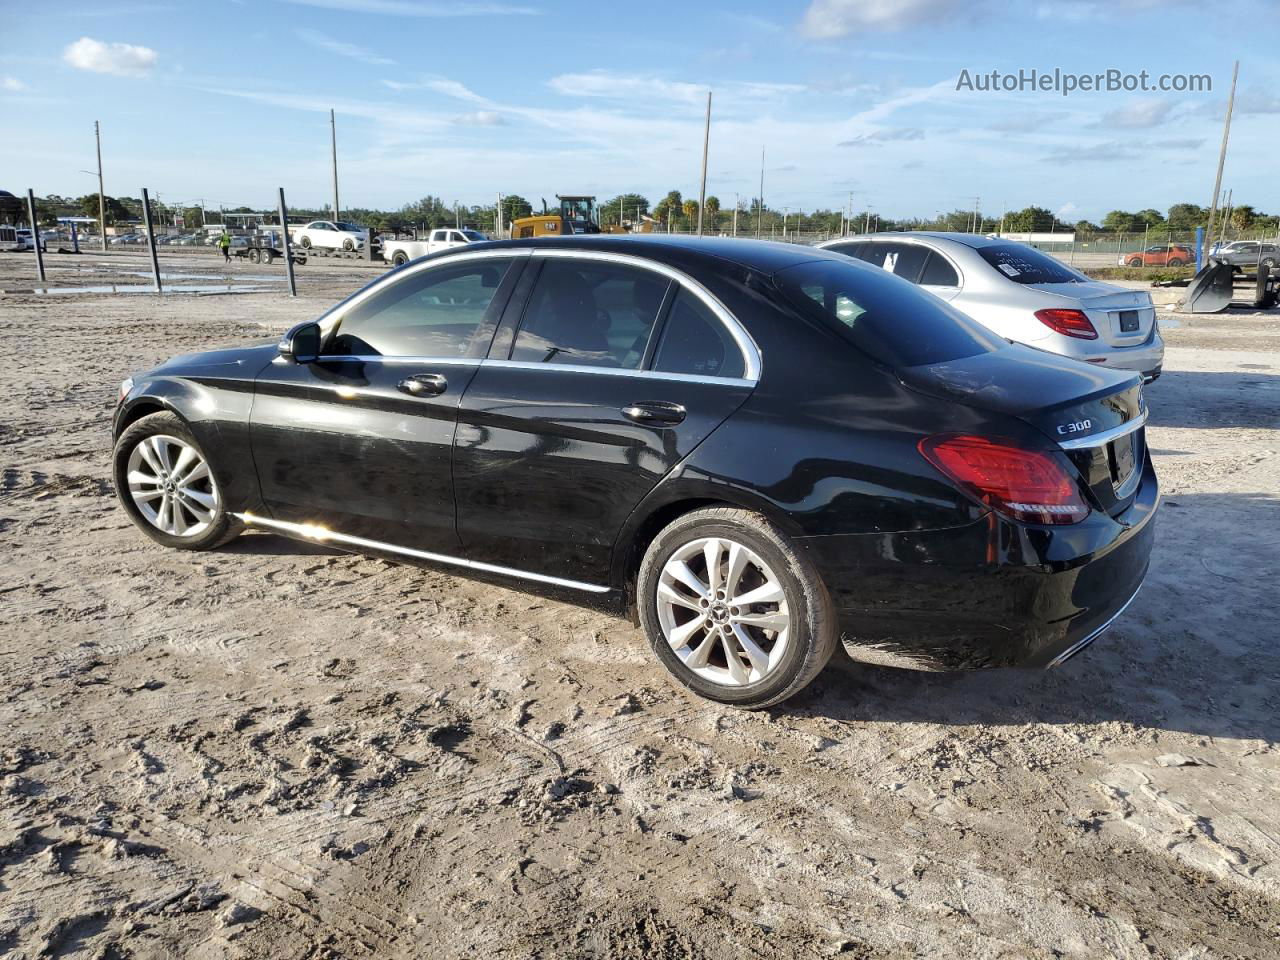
140	288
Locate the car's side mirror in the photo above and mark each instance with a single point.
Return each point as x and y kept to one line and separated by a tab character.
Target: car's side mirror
302	343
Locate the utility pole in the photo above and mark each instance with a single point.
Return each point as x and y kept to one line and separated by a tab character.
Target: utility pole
497	218
35	232
1226	214
102	198
706	140
151	238
1222	159
760	209
737	202
333	142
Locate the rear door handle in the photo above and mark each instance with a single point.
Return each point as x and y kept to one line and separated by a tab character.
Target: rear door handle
655	412
423	385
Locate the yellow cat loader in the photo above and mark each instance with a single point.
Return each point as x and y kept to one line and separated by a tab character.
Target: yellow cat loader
576	215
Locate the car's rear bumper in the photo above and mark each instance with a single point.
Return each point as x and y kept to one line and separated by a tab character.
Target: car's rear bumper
992	593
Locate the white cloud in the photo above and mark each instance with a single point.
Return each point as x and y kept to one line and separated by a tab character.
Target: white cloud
408	8
828	19
121	59
1139	115
482	118
12	85
887	135
343	49
441	85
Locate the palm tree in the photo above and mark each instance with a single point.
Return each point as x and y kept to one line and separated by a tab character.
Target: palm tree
690	209
711	212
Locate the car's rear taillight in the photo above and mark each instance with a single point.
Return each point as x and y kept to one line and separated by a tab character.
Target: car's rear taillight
1021	484
1069	323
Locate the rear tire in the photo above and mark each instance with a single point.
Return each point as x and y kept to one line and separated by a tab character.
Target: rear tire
1136	262
167	485
254	256
781	638
348	245
399	259
1175	262
305	242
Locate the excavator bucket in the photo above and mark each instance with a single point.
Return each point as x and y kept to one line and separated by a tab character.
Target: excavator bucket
1210	290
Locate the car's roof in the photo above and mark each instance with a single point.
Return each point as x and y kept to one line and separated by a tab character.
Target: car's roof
973	240
762	255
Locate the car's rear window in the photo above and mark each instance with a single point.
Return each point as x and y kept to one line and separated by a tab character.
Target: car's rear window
1023	264
889	318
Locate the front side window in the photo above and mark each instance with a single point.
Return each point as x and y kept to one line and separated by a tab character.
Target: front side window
590	313
1023	264
695	342
891	321
431	313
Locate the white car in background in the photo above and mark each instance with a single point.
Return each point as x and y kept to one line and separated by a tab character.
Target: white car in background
1022	294
331	235
402	251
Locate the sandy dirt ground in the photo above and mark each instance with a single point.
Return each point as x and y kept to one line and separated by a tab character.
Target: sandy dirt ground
277	750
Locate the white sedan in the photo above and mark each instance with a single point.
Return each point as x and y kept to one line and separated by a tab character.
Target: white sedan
331	235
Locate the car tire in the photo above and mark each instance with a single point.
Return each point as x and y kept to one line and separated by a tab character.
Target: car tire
267	256
399	259
694	634
348	245
1136	262
305	242
254	256
146	465
1175	262
1269	263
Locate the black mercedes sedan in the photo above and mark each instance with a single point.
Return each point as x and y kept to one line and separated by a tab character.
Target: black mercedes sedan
756	450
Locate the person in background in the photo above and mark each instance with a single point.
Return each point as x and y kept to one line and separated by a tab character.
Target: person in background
224	243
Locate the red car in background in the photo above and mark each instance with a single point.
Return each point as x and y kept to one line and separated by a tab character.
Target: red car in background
1160	255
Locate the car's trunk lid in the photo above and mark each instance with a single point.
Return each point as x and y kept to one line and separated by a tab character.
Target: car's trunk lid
1123	318
1093	414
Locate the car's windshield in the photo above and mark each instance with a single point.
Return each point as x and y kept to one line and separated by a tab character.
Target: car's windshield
1023	264
350	227
472	235
889	318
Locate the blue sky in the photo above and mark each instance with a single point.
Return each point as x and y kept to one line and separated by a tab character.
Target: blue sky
226	100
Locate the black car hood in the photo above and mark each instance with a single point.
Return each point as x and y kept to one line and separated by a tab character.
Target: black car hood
251	356
1044	389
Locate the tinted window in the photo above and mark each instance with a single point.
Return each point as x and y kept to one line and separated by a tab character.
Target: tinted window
590	313
906	260
852	249
893	322
939	273
694	341
1023	264
432	313
472	235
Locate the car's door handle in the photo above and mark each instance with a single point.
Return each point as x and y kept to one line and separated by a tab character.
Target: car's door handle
423	385
654	412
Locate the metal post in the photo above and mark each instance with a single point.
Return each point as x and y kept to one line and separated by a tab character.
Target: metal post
497	217
706	140
760	208
333	141
288	250
1222	159
35	232
102	199
737	202
151	238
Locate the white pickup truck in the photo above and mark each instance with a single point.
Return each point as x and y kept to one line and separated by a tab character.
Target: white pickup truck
402	251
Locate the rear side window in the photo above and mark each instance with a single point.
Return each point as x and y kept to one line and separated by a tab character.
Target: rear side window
590	313
431	313
893	322
853	249
1023	264
695	342
939	273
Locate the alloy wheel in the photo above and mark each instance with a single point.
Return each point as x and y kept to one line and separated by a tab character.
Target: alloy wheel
723	611
172	487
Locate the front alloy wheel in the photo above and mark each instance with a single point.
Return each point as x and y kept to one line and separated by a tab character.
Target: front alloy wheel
166	485
732	610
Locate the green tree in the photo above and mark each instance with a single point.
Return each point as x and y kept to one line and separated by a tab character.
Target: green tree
690	209
1150	217
1028	220
668	207
1187	216
711	213
623	208
514	207
1121	221
1243	217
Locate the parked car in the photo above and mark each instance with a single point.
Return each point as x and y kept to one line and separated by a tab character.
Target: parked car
755	447
402	251
1249	254
1159	255
331	235
1022	294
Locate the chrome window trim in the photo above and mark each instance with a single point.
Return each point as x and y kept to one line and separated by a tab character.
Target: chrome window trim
619	372
751	357
322	535
1102	439
751	360
375	358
